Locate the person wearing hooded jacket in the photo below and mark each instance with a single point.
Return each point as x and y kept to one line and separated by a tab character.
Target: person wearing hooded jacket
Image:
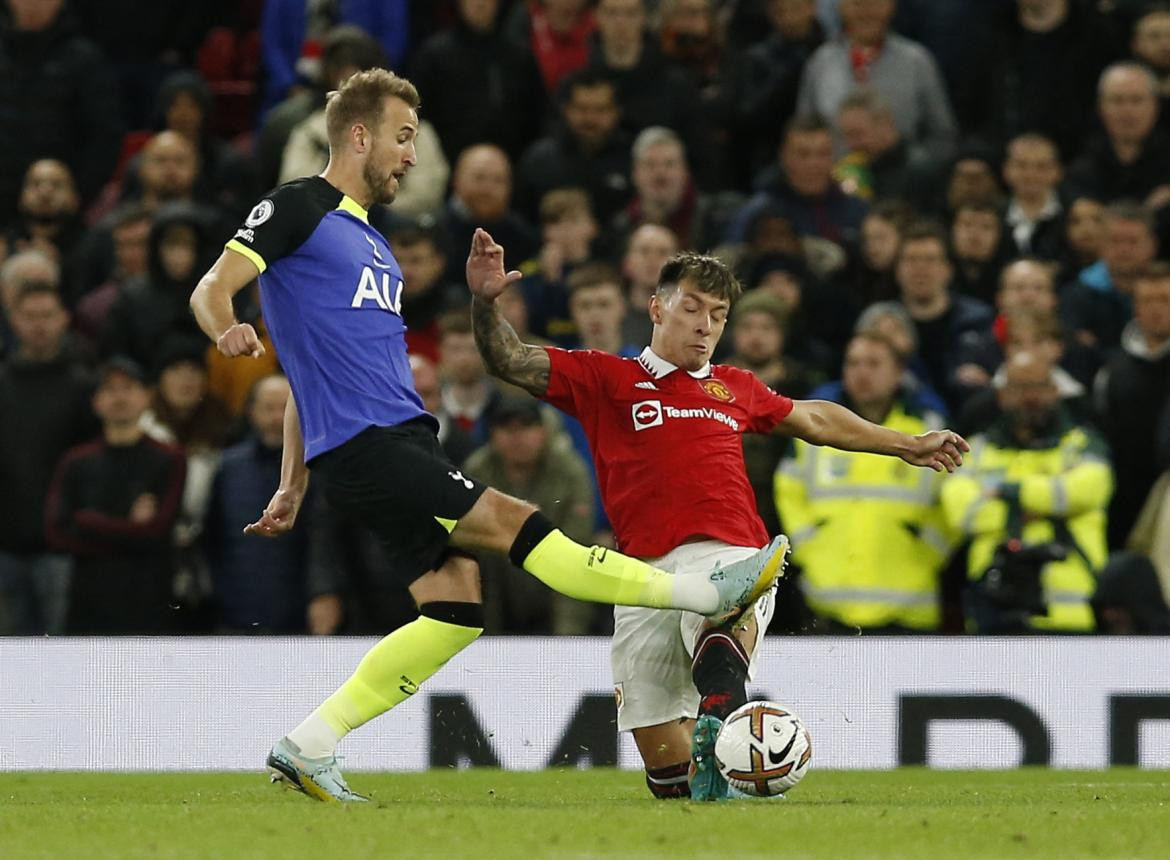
148	311
226	176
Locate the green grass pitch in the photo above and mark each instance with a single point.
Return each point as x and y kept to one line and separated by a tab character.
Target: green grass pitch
483	814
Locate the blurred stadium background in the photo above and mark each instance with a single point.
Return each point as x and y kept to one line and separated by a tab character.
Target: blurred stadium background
974	181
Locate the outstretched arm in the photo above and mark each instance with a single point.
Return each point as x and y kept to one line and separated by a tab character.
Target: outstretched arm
504	354
820	422
212	304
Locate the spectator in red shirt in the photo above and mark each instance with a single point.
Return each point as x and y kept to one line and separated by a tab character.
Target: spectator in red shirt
557	33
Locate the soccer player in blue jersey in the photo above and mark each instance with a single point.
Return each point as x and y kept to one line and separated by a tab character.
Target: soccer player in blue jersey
331	293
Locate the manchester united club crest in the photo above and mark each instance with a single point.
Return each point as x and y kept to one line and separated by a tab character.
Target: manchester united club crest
717	389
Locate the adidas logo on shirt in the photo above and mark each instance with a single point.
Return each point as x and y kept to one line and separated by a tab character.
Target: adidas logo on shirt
646	384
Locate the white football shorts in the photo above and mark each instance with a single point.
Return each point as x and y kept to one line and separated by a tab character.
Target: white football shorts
651	649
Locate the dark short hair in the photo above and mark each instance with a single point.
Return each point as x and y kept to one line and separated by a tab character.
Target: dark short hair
129	213
1032	137
892	211
348	46
709	275
454	322
924	231
1159	270
593	275
1152	9
584	79
806	124
120	365
180	349
514	409
1131	210
989	205
413	234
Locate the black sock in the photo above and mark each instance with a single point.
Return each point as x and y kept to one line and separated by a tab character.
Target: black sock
720	671
454	612
670	781
535	529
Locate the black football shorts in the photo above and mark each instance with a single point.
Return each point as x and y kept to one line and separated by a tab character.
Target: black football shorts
398	482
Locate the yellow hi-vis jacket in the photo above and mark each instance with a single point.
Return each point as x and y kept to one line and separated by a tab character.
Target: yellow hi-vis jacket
867	532
1063	486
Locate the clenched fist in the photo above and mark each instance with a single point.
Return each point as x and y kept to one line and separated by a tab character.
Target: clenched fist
240	339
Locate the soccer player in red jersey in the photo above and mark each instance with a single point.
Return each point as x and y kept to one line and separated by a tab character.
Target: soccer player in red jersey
665	430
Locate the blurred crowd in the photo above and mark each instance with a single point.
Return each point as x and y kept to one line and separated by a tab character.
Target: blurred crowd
943	213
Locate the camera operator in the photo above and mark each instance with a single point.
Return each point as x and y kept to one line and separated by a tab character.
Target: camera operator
1034	488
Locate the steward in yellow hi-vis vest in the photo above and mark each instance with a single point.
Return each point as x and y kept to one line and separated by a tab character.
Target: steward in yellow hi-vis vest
1034	481
866	530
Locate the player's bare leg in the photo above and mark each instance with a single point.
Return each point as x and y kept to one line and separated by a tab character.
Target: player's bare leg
451	618
505	525
666	755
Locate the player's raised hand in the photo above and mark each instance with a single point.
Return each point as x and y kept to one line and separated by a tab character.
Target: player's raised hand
941	450
240	339
485	267
278	517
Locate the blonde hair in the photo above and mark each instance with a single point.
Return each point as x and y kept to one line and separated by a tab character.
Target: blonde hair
362	99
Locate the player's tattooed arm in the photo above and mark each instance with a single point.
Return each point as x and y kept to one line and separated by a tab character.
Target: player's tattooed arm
504	354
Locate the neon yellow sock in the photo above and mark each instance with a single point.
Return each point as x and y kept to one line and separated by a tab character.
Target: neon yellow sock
390	673
604	575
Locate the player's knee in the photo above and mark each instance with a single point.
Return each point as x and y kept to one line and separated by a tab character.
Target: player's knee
462	574
455	580
669	782
493	522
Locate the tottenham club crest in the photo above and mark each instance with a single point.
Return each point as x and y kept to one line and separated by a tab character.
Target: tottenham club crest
260	213
717	389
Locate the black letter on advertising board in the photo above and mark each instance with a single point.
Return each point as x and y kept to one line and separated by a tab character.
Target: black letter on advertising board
590	736
916	713
456	735
1126	715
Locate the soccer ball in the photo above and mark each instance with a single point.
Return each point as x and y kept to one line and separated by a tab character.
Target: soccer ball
763	749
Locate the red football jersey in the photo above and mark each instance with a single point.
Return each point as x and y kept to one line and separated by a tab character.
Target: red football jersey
666	444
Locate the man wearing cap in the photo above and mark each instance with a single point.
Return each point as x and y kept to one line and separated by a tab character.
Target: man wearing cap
112	506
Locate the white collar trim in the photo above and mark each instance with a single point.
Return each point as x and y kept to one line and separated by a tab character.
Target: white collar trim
658	367
1015	213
